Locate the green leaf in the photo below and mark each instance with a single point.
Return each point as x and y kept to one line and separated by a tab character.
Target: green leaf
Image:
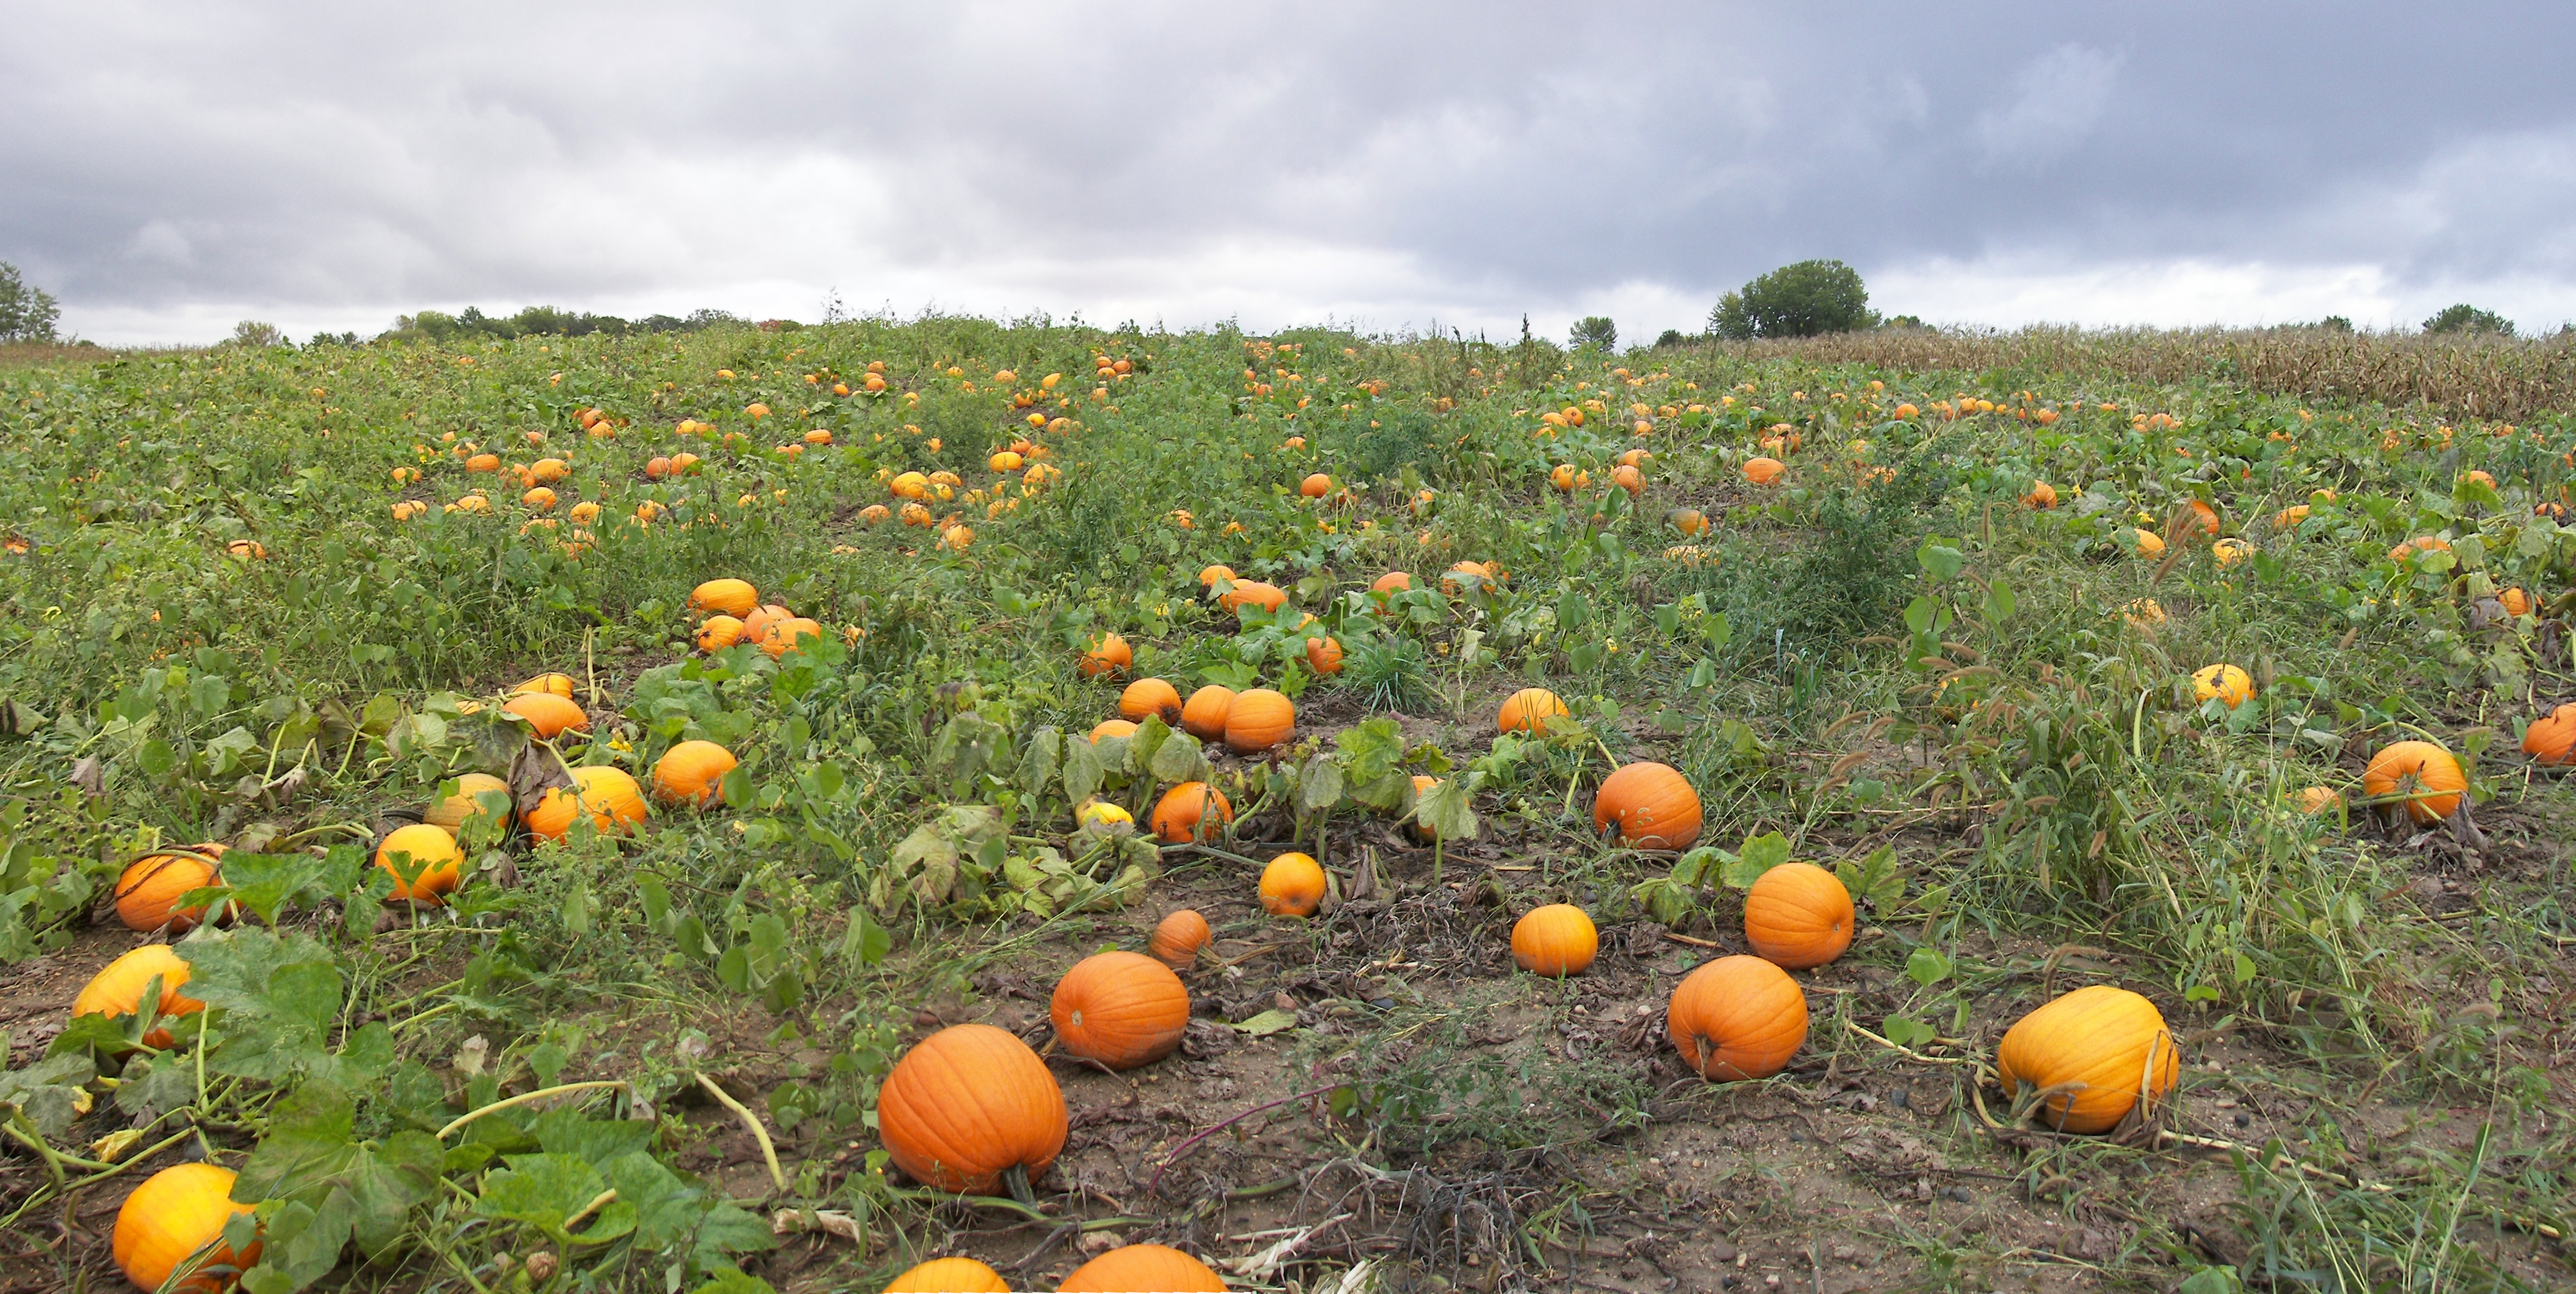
1720	633
1083	770
1039	761
280	997
1267	1023
1905	1031
547	1191
49	1091
1760	854
1927	966
1940	560
1319	783
568	1131
1178	758
863	941
1448	812
1999	602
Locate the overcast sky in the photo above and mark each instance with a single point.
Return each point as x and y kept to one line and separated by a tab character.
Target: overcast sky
167	170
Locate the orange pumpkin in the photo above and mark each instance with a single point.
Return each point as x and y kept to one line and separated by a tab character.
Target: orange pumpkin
1143	1267
607	794
2205	516
452	812
1555	940
949	1276
1204	717
784	636
173	1216
2550	740
968	1103
1736	1018
1324	656
755	625
428	855
1110	655
718	633
1120	1009
1529	709
1315	486
725	597
2104	1046
118	987
551	684
1259	719
1178	938
549	715
2429	776
1268	597
1392	582
2041	495
1191	811
1147	697
1292	886
1765	470
1687	521
1798	915
691	772
1653	805
1209	575
1111	728
147	892
2224	683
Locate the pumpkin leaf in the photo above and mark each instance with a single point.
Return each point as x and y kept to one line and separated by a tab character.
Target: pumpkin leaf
1178	757
49	1092
1448	811
863	941
280	997
1267	1023
1146	743
1038	762
1319	783
1875	880
1083	770
550	1192
1760	854
1940	560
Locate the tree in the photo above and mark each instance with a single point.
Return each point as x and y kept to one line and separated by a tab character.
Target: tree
27	312
1595	330
2469	319
1671	337
1800	300
251	332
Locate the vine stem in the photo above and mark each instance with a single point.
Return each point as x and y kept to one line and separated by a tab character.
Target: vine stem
768	1152
523	1098
1184	1147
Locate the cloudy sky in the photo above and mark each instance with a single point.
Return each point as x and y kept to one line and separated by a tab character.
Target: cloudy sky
167	170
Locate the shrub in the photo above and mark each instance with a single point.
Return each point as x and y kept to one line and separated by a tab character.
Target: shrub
1595	330
2466	318
1801	300
251	332
27	312
1670	337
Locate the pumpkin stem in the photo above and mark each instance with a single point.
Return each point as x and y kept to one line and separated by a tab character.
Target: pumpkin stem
1015	1179
768	1152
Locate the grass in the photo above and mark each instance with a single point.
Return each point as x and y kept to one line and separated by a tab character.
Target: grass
1888	659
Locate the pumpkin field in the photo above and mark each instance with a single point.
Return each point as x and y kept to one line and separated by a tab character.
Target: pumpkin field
965	805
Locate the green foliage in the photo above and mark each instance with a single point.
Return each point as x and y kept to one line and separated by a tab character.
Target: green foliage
2466	318
1595	331
1801	300
27	312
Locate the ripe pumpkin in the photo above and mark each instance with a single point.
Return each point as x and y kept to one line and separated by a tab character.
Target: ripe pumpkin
1102	814
784	635
1627	477
1555	940
1268	597
1687	521
1121	1009
175	1213
1798	915
147	892
1147	697
1392	582
2041	495
718	633
1178	938
2223	683
2435	777
2205	515
2550	740
755	624
2318	799
552	684
1315	486
2517	602
548	714
1324	655
1529	709
1209	575
1258	720
1653	804
1292	886
2108	1042
1179	814
1111	728
691	772
949	1276
452	812
431	858
1110	655
1142	1267
1764	470
2147	543
1737	1017
608	794
118	987
1204	717
966	1104
725	597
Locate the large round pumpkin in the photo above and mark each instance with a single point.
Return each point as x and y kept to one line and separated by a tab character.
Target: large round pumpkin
1392	582
783	636
452	812
1111	728
1110	655
1204	717
1258	720
1529	709
1737	1017
1653	805
1120	1009
548	714
2105	1045
1558	939
1292	886
966	1104
949	1276
1764	470
718	633
2550	740
428	855
1142	1267
147	892
169	1218
756	624
1268	597
2224	683
2427	774
552	684
1191	811
690	772
1178	938
1148	697
118	987
724	597
608	794
1798	915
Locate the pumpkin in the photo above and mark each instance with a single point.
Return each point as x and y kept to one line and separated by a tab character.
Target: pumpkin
910	485
784	635
2289	518
718	633
539	498
1258	720
1555	940
1687	521
1292	886
2318	799
1110	655
1142	1267
2222	683
452	812
1209	575
147	892
2147	543
874	514
1392	582
725	597
2144	613
1268	597
1315	486
755	624
1562	477
1464	576
1798	915
1178	938
173	1215
551	684
607	793
427	854
2105	1045
1627	477
2550	740
2517	602
968	1103
949	1275
1111	728
1120	1009
2432	779
1529	709
1102	813
691	771
1737	1017
1764	470
549	715
2041	495
1190	811
1147	697
1324	656
1204	717
1654	806
118	987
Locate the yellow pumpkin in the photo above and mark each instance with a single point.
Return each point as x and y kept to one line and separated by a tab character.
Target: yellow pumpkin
609	795
178	1214
2104	1046
428	856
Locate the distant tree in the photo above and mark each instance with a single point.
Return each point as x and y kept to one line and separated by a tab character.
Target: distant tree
1906	321
333	339
1595	330
1671	337
1801	300
251	332
27	312
2335	323
2468	318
